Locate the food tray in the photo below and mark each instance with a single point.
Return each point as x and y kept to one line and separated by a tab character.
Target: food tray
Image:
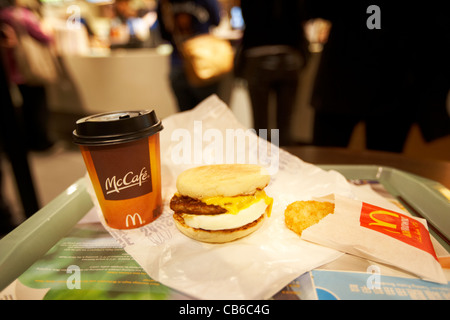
34	237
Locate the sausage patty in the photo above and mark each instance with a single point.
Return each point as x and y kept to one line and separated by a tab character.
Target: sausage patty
185	204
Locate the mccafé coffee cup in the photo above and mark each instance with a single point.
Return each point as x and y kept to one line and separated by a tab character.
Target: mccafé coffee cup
122	157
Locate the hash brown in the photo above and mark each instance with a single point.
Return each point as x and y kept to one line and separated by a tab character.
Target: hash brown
300	215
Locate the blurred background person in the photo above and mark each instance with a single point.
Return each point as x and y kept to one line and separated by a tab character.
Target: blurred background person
128	29
388	68
187	18
34	108
272	55
6	218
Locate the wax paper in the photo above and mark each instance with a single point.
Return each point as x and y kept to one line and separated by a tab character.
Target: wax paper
254	267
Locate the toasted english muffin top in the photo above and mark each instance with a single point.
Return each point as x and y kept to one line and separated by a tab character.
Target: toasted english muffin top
222	180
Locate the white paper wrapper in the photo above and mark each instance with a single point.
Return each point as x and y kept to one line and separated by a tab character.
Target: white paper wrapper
380	234
255	267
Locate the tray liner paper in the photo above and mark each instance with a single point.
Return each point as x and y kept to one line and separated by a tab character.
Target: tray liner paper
255	267
380	234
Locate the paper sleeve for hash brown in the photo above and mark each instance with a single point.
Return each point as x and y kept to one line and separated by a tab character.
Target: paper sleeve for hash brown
343	231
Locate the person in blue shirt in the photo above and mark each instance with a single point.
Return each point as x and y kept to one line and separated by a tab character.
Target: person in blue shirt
189	18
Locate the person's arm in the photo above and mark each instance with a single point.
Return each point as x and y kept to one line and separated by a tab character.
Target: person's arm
165	34
213	8
32	25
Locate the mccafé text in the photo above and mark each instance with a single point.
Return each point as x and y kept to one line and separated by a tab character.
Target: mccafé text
130	179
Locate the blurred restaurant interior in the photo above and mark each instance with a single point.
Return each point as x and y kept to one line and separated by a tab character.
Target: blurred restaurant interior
103	70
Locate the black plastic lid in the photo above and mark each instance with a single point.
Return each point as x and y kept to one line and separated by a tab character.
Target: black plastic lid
116	127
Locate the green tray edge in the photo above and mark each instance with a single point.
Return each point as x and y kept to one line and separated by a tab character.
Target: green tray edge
35	236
